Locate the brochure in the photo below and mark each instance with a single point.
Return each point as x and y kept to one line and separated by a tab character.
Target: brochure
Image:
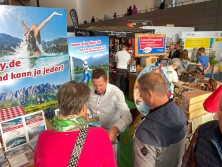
35	124
20	156
4	163
13	133
32	144
21	130
3	160
94	122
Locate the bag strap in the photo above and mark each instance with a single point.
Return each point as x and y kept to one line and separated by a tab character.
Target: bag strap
183	66
78	147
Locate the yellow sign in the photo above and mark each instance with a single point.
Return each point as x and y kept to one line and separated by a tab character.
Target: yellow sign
218	39
196	43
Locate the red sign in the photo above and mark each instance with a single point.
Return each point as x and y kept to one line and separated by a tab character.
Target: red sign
151	42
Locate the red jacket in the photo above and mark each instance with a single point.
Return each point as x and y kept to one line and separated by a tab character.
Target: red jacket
54	149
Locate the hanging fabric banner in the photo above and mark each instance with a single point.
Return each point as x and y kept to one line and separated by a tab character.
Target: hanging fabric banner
74	18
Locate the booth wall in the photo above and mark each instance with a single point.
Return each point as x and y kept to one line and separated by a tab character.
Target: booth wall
204	16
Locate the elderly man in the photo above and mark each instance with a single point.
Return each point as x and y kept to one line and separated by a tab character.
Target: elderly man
170	75
171	50
205	148
160	138
108	102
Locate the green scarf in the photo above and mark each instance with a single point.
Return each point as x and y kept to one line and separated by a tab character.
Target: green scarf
67	123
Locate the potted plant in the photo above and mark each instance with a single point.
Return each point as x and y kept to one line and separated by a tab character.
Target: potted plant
214	64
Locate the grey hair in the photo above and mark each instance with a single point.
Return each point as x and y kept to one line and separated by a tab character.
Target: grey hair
154	82
71	97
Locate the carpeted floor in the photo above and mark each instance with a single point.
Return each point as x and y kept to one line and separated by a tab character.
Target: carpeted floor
125	157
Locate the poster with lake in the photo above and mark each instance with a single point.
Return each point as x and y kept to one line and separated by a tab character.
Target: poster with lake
86	54
34	60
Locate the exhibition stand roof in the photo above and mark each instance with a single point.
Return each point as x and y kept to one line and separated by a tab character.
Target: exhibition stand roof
111	31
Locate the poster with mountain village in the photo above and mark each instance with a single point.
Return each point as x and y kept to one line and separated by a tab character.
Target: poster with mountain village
86	54
34	60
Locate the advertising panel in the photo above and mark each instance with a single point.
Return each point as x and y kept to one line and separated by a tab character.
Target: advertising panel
34	62
86	54
150	44
210	40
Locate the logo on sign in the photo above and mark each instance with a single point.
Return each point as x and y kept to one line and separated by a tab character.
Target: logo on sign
147	49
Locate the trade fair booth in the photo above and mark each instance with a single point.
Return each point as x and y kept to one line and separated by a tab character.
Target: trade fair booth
32	71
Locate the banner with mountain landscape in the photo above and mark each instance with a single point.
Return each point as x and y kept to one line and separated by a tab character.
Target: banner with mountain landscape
34	60
86	54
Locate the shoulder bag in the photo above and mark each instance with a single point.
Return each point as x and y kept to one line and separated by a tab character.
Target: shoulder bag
73	161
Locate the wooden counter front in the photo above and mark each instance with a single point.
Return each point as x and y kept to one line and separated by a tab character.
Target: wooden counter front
132	80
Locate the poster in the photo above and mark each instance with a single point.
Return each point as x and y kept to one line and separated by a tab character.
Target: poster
86	54
210	40
35	124
150	44
21	130
34	60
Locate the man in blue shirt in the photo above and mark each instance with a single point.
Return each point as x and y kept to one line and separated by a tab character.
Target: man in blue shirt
203	60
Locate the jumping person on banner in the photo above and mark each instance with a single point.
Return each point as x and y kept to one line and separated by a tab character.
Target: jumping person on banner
33	34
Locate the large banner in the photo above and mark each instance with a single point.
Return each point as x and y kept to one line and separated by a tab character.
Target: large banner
34	62
86	54
150	44
210	40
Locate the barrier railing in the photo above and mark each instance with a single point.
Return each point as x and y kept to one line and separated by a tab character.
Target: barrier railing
150	10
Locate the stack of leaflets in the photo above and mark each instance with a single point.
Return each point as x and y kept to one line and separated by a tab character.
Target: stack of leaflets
3	160
12	112
21	130
20	156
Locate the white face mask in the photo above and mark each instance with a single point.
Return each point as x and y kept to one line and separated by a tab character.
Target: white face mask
215	117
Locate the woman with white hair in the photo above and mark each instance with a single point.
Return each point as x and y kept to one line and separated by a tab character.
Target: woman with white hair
169	73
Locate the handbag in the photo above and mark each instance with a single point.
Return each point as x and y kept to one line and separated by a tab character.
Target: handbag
73	161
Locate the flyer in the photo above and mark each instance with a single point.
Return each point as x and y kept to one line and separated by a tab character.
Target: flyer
13	133
20	156
34	124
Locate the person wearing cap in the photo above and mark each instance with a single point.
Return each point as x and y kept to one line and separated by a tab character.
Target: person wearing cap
86	72
169	73
205	148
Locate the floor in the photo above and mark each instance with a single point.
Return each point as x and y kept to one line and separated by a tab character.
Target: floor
125	158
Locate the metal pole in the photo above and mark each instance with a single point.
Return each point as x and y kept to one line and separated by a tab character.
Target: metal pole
37	3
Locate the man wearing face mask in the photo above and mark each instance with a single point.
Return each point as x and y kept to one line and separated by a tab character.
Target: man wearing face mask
108	102
205	148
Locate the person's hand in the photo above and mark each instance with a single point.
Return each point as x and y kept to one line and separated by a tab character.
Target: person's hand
57	14
22	21
113	132
205	71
